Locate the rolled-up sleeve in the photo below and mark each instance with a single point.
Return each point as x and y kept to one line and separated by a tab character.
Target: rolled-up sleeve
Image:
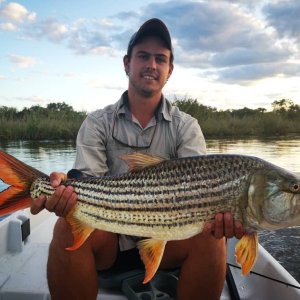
90	147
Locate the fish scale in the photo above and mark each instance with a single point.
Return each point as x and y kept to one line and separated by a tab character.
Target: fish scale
173	199
168	200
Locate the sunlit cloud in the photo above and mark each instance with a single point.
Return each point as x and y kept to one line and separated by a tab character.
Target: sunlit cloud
236	44
23	61
284	16
227	52
13	15
90	37
8	26
51	29
102	84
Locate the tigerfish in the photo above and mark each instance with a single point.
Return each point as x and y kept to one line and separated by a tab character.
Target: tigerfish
165	200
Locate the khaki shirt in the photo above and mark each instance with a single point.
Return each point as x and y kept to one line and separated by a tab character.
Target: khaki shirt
108	133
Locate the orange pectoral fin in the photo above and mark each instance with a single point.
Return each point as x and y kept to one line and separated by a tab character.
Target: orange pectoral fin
151	252
80	232
246	252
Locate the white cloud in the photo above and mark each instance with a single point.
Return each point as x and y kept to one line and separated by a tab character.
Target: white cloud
54	30
104	84
50	28
284	17
85	40
3	77
35	100
8	26
237	45
22	61
16	13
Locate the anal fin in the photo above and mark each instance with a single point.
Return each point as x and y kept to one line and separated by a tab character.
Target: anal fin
246	252
151	252
80	232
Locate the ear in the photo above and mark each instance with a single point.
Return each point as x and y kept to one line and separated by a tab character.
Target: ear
126	63
171	68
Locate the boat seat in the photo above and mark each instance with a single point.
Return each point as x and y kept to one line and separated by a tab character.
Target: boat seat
130	282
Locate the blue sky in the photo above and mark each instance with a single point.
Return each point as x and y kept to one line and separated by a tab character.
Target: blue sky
228	54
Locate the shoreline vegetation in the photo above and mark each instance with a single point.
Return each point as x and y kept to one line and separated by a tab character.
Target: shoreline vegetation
60	121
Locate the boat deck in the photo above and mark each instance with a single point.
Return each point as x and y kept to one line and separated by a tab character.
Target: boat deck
23	266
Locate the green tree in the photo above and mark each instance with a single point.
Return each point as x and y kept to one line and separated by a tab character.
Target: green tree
282	105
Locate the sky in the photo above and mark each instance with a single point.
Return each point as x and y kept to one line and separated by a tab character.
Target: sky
228	54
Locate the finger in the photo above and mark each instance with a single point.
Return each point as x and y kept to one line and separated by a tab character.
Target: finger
238	229
63	201
38	204
56	178
219	226
70	205
53	200
228	225
208	228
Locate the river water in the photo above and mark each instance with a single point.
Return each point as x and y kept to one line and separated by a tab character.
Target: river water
284	245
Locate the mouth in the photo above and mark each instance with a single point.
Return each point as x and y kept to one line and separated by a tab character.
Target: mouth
149	77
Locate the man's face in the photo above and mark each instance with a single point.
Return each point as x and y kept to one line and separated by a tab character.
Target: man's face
149	67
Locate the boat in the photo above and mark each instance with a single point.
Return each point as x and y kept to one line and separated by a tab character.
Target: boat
24	243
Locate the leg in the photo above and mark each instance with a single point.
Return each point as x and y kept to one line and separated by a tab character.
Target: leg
72	274
203	266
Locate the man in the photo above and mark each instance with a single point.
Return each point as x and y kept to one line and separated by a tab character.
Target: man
142	120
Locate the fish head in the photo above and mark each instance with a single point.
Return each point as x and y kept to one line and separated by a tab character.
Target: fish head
273	199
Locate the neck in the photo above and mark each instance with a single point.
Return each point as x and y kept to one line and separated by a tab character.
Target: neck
143	108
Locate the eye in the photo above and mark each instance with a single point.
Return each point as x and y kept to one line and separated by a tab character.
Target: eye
295	187
161	59
143	56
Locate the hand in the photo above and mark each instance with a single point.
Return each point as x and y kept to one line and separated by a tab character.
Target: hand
225	226
61	202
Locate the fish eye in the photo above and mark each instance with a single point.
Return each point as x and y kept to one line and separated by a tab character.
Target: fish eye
295	187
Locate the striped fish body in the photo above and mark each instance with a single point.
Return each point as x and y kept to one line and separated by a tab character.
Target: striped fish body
169	200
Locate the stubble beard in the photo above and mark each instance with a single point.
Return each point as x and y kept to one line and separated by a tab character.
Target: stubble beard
142	90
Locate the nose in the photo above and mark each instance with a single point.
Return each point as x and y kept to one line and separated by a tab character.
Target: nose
151	64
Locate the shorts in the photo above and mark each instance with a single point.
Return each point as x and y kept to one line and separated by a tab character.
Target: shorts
127	260
127	264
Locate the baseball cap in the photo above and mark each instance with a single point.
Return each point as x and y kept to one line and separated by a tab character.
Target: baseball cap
152	27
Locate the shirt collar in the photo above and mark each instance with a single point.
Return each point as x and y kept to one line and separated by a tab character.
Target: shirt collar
122	107
164	109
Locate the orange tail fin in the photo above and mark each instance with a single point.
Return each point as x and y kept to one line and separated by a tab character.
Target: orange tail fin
19	177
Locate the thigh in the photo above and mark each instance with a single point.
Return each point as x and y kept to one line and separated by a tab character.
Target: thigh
105	246
203	249
102	245
202	262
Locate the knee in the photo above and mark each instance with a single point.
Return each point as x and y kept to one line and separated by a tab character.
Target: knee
207	245
99	244
62	234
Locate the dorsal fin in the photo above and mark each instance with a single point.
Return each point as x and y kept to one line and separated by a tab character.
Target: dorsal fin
138	161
